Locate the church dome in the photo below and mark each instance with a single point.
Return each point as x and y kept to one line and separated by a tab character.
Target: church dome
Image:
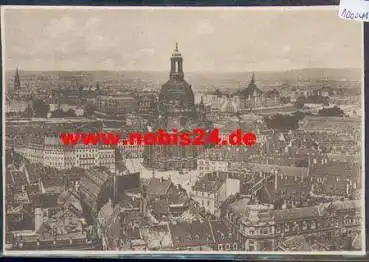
180	92
176	94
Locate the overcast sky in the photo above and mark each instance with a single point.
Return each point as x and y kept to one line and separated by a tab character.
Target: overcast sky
209	39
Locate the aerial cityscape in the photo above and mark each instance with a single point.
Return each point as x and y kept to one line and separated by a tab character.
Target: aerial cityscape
299	188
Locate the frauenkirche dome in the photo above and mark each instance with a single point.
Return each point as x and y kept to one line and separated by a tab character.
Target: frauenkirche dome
176	95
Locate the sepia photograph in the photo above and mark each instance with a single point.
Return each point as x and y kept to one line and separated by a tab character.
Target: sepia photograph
182	130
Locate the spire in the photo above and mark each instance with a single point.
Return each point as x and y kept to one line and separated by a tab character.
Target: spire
17	79
252	78
176	66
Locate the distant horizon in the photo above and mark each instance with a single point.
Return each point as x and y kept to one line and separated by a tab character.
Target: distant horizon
163	71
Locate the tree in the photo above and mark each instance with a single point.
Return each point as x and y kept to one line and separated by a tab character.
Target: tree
89	110
28	112
334	111
40	108
58	113
282	122
70	113
300	115
285	100
299	104
302	163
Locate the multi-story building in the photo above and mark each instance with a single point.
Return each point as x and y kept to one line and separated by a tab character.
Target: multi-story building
42	145
261	228
207	165
252	97
214	188
115	104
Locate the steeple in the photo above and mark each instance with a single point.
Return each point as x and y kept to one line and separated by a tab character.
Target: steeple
252	79
16	80
176	65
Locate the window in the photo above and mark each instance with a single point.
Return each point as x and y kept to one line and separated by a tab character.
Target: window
251	245
235	246
208	203
304	225
220	247
228	246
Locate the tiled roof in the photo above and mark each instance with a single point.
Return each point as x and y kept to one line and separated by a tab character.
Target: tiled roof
33	172
319	210
240	207
91	184
191	234
160	206
341	169
282	170
157	236
18	178
297	243
221	232
210	182
272	93
51	177
158	186
294	213
45	200
250	90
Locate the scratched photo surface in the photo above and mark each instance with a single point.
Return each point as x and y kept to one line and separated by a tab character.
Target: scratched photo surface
291	76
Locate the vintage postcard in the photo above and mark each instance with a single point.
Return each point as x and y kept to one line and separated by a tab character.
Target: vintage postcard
182	130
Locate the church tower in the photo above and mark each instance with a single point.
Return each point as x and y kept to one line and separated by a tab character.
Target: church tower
17	85
176	65
176	96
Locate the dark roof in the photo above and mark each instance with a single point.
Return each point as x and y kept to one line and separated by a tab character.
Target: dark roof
33	172
18	178
177	90
51	177
210	182
195	233
44	200
158	186
294	213
272	93
160	206
221	232
341	169
251	90
314	211
91	185
297	243
282	170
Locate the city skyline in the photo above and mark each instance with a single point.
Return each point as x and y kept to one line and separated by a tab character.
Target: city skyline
74	40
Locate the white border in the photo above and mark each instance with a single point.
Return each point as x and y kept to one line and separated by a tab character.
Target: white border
145	254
